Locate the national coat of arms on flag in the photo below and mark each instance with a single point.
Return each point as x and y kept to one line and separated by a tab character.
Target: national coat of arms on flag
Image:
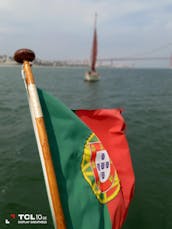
99	171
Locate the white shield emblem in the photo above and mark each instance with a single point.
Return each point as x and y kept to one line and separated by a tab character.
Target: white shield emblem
103	165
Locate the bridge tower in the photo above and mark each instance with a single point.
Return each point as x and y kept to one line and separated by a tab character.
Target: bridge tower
171	61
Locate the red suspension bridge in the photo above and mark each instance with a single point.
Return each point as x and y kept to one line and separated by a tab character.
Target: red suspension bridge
113	61
133	58
142	57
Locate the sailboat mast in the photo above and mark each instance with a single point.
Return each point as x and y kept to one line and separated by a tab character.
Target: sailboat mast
94	47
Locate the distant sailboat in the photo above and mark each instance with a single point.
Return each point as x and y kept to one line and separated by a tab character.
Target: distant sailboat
92	75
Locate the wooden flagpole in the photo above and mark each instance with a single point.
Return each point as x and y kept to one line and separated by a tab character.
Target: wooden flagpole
25	56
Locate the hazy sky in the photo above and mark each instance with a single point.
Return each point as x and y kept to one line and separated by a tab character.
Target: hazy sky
62	29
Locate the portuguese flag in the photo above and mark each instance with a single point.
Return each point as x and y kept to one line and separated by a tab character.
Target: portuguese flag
92	164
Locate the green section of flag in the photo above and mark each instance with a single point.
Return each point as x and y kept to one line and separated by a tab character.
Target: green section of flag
67	136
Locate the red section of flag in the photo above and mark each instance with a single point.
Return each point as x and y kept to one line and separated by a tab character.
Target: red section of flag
109	126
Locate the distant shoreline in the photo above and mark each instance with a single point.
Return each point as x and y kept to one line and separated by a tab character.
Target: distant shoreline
41	65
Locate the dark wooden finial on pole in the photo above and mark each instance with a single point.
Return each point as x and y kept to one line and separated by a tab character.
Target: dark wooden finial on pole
22	55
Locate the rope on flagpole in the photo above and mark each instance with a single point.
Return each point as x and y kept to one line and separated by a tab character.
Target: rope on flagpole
25	56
